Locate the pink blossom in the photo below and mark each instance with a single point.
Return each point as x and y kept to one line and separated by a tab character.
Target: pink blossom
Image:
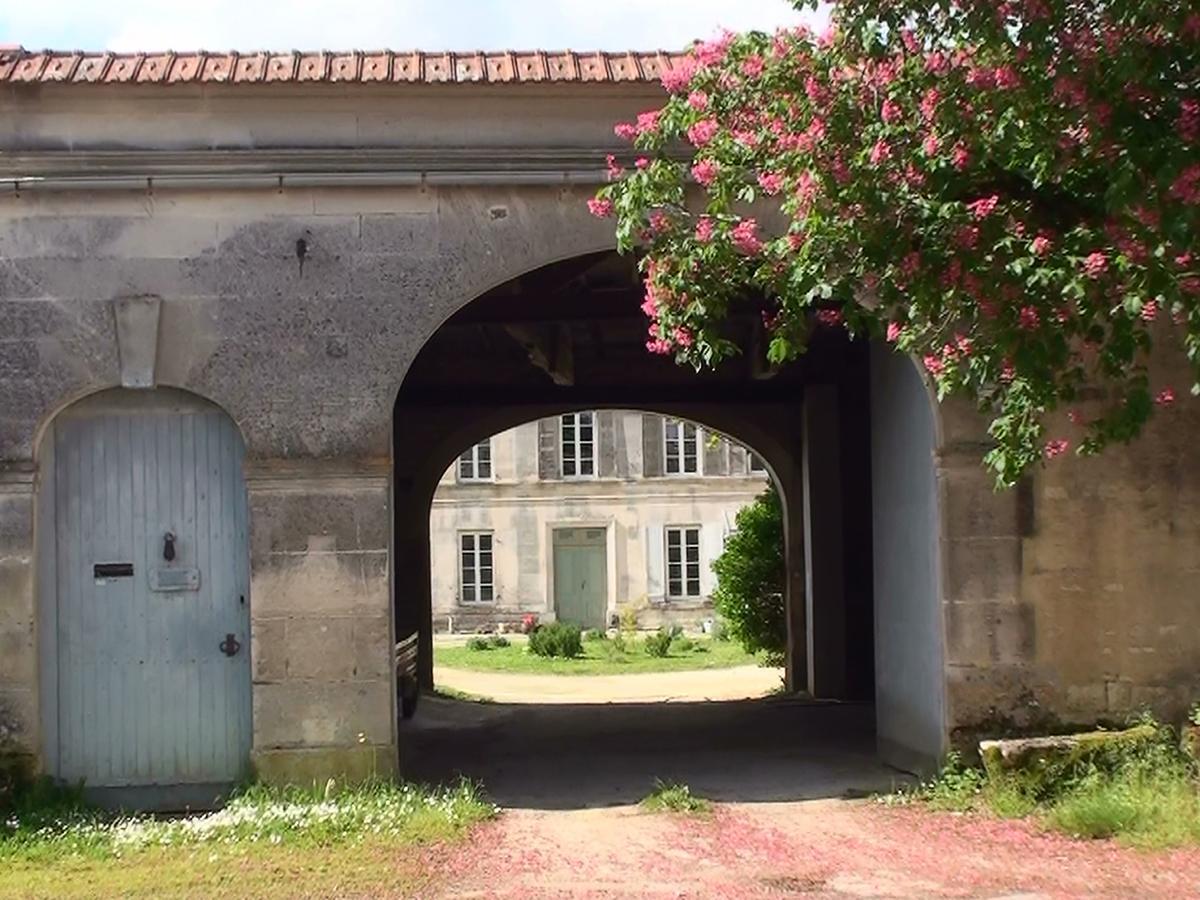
641	162
936	63
1005	77
1187	186
752	66
963	344
880	152
1095	264
703	132
960	157
748	139
746	239
705	171
1056	448
1028	319
1007	372
931	144
1040	245
614	168
680	75
683	337
770	182
816	92
660	222
933	364
711	53
705	229
1149	310
600	207
890	110
648	121
1187	126
929	104
659	346
649	304
984	206
698	100
829	317
626	131
967	237
795	240
893	332
1165	397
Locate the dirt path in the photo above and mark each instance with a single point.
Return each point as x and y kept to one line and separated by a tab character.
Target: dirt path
738	683
819	849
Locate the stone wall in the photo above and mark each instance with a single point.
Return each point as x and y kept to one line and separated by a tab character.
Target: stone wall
324	696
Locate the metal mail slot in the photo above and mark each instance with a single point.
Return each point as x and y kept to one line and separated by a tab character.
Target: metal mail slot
174	579
112	570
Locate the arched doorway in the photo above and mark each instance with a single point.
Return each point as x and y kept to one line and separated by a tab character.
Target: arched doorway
835	426
144	598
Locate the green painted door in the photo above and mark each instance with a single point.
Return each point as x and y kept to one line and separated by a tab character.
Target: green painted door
580	576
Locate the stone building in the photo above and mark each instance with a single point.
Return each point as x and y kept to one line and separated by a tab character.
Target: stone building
252	306
584	515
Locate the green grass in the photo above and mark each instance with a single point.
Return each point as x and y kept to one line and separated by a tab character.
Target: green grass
48	827
1146	795
600	657
671	796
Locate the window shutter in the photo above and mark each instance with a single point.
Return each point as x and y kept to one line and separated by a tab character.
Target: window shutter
656	588
716	454
606	443
739	460
652	446
549	468
712	542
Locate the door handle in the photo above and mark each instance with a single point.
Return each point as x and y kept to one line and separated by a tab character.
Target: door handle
230	646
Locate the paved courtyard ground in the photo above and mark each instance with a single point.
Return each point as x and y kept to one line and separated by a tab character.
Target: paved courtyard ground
816	849
738	683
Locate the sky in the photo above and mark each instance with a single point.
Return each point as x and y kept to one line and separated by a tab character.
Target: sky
373	24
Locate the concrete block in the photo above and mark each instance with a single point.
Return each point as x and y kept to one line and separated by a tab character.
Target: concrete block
19	718
971	507
18	656
268	647
320	648
316	767
298	713
287	584
979	569
399	234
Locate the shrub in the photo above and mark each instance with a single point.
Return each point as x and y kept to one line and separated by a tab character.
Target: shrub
618	643
683	644
750	578
595	634
479	643
529	623
557	639
500	641
659	643
627	618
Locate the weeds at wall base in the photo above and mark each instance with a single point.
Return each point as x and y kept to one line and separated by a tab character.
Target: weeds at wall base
1145	794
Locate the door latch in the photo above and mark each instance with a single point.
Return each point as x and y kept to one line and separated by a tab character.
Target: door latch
230	646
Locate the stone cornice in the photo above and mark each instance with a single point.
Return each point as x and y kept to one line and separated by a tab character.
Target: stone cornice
316	167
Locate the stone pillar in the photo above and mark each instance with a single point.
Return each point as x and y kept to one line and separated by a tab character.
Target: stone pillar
19	724
824	563
321	620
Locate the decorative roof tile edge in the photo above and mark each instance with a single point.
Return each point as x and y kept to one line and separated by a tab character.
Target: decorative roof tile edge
20	66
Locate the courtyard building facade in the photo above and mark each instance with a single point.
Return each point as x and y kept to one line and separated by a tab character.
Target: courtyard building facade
585	517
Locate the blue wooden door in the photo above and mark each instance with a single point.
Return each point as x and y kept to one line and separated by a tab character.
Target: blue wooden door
152	584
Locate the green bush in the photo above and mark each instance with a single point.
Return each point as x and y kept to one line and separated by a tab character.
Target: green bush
479	643
659	643
557	639
595	634
750	571
683	644
500	641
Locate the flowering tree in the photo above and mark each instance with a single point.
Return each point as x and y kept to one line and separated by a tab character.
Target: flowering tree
1008	191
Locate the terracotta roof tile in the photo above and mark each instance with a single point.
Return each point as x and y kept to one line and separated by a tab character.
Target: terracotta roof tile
498	67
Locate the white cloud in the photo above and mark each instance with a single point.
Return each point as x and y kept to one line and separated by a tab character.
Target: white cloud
367	24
